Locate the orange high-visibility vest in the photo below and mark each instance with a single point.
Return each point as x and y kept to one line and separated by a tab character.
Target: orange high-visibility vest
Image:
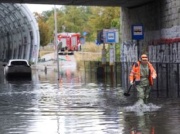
135	73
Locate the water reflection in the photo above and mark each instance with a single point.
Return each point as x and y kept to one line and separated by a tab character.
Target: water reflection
79	104
140	124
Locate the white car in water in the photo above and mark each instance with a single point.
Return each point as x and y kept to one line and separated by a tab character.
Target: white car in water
17	68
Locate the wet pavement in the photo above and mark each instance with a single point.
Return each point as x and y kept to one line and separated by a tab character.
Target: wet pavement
79	104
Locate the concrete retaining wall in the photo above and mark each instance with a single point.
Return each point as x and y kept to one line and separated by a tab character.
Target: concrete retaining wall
161	21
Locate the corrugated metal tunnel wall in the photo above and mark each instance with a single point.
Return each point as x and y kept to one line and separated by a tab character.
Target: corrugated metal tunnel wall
19	33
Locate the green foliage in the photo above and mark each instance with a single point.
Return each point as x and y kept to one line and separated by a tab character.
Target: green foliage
103	18
43	29
78	19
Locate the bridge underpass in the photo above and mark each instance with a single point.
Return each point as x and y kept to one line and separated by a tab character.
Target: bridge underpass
161	22
23	109
122	3
20	34
19	31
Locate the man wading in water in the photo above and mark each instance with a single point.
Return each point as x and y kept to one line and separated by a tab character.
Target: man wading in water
142	75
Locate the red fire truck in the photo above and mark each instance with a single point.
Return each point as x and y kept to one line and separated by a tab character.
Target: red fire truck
70	42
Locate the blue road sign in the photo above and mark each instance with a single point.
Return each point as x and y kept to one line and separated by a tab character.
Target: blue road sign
137	32
110	37
84	33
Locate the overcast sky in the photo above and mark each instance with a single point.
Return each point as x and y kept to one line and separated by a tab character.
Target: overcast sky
40	7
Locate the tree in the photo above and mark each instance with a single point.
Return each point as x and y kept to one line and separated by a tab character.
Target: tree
79	19
43	29
103	18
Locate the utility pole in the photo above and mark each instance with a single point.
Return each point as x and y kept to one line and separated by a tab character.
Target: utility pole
55	38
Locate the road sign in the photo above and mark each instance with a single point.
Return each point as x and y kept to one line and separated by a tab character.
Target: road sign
137	32
111	35
84	33
107	36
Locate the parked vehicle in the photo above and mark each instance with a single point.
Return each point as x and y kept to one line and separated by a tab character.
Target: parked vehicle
17	68
70	42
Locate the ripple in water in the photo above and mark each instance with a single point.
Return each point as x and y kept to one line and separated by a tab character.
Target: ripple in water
139	107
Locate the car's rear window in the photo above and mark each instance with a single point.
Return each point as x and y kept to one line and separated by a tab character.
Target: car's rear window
18	63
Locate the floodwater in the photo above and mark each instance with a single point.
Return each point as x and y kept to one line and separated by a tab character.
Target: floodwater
79	104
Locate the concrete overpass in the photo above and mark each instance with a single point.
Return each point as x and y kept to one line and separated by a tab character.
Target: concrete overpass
122	3
160	21
19	33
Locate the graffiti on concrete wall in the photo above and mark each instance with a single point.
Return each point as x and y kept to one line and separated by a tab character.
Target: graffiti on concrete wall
129	52
128	56
165	50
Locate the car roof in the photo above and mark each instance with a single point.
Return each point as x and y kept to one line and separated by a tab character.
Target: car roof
17	60
14	60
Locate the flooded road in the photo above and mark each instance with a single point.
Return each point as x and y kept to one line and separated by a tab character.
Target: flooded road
80	105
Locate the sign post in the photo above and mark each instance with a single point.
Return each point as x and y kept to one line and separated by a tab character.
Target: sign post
108	36
111	37
103	55
138	34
